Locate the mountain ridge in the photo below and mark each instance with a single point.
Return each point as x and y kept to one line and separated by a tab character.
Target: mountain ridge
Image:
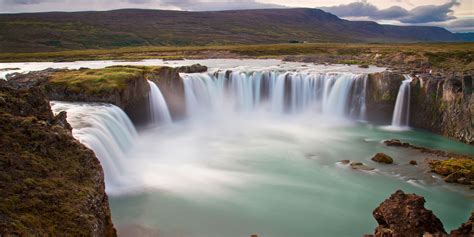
56	31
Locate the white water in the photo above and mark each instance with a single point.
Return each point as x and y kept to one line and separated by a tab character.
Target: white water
265	160
158	109
105	129
401	113
276	92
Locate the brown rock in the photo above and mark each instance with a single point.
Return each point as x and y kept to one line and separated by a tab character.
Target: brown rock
382	158
396	142
413	162
466	229
405	215
360	166
345	162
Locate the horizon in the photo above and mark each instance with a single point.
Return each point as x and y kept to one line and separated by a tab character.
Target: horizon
454	15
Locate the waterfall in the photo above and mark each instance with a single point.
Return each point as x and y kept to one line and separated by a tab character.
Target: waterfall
158	109
336	94
106	130
401	113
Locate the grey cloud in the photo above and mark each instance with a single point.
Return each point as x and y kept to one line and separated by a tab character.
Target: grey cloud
421	14
22	2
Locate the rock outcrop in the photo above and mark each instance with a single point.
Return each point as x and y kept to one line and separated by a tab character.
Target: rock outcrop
466	229
172	87
443	105
405	215
382	158
51	185
382	91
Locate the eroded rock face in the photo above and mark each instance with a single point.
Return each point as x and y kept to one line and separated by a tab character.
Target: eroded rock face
405	215
443	105
172	87
382	91
51	185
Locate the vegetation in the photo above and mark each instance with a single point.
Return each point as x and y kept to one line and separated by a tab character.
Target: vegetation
97	80
51	184
454	56
455	170
59	31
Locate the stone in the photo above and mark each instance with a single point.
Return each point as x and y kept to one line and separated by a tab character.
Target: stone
396	142
413	162
405	215
382	158
360	166
466	229
345	162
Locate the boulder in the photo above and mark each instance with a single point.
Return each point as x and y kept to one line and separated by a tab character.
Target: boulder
405	215
413	162
382	158
360	166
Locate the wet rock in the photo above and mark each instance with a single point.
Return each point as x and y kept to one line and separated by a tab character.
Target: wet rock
466	229
396	142
454	170
345	162
405	215
382	158
413	162
360	166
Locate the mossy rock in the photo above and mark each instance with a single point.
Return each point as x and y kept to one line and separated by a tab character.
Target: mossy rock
382	158
454	170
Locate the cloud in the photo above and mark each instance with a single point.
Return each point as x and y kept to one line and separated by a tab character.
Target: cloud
421	14
74	5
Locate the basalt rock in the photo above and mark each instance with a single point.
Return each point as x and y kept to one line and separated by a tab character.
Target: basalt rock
405	215
51	185
443	105
382	158
382	90
172	87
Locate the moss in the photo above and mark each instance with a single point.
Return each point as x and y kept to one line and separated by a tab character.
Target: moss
457	170
96	80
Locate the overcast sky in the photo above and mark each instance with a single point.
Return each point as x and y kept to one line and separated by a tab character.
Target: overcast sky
455	15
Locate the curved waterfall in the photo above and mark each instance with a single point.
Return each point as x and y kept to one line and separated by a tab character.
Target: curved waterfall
158	109
105	129
340	94
401	113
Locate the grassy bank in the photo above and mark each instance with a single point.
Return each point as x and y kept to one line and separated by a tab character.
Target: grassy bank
455	56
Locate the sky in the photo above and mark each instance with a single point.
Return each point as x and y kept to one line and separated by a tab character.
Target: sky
455	15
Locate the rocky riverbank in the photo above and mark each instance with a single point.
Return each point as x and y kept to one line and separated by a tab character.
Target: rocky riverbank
405	215
51	184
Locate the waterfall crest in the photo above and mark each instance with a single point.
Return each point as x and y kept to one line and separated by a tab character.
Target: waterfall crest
337	94
159	111
106	130
401	113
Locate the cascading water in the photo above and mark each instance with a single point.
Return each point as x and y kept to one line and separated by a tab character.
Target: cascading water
105	129
338	94
158	109
401	113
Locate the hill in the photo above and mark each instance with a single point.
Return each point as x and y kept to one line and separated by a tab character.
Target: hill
466	37
57	31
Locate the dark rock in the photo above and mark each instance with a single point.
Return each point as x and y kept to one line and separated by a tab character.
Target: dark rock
382	91
396	142
345	162
405	215
51	185
466	229
413	162
364	66
360	166
382	158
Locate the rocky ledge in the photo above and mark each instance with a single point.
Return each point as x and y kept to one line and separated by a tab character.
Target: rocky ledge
405	215
124	86
51	184
454	168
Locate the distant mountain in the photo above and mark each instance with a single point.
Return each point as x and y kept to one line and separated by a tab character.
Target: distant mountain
466	37
53	31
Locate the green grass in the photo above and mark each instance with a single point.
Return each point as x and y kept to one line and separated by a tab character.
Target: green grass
98	80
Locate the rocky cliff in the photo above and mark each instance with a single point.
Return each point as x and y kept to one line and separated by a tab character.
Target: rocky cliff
404	214
382	90
51	184
443	105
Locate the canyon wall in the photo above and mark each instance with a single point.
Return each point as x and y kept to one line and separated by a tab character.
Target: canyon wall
443	105
382	90
51	184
